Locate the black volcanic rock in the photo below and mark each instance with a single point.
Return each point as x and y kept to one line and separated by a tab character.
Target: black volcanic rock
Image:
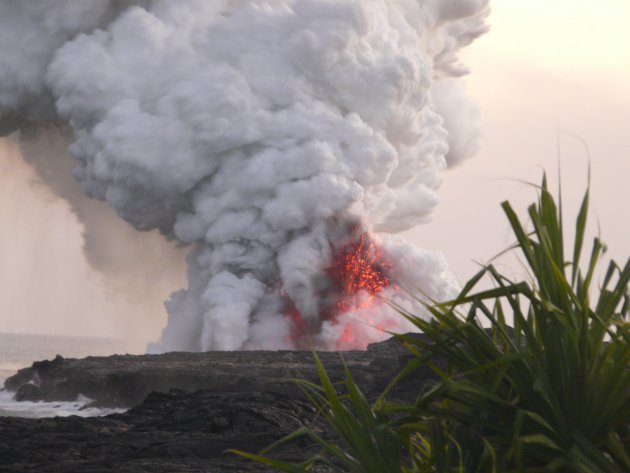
125	380
189	408
168	432
28	392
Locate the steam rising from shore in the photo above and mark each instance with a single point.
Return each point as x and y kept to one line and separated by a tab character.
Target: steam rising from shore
254	130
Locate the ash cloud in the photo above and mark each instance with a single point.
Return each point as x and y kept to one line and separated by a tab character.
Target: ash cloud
247	128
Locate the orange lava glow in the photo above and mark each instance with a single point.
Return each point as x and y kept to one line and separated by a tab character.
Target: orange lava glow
357	273
358	266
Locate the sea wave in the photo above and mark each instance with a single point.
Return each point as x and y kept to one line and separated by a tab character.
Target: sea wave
35	410
18	351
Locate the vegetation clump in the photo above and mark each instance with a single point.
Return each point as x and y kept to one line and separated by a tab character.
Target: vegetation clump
536	376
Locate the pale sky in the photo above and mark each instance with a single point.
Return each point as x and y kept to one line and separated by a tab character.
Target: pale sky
544	64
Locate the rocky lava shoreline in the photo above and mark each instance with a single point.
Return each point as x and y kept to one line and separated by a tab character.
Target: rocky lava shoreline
186	409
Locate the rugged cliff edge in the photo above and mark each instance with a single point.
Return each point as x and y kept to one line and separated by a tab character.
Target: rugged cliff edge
190	408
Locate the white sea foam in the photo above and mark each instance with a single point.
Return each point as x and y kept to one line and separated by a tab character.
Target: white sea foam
21	350
11	408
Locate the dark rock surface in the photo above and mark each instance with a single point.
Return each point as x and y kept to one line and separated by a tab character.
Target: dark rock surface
28	392
190	408
125	380
171	432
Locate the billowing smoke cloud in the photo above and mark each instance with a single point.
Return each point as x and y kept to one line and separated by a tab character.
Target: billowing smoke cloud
256	131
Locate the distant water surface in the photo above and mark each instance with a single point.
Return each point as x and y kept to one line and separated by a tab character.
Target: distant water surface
21	350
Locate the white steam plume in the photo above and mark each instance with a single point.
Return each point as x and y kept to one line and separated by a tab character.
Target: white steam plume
251	129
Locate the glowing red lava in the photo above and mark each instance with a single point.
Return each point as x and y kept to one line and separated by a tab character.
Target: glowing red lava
357	266
357	273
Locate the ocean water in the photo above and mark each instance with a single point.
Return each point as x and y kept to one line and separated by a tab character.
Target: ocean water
21	350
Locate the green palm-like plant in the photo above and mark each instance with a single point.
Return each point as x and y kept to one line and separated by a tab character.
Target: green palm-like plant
551	393
547	392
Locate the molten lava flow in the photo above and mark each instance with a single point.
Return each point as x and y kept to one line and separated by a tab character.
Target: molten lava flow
357	266
357	273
